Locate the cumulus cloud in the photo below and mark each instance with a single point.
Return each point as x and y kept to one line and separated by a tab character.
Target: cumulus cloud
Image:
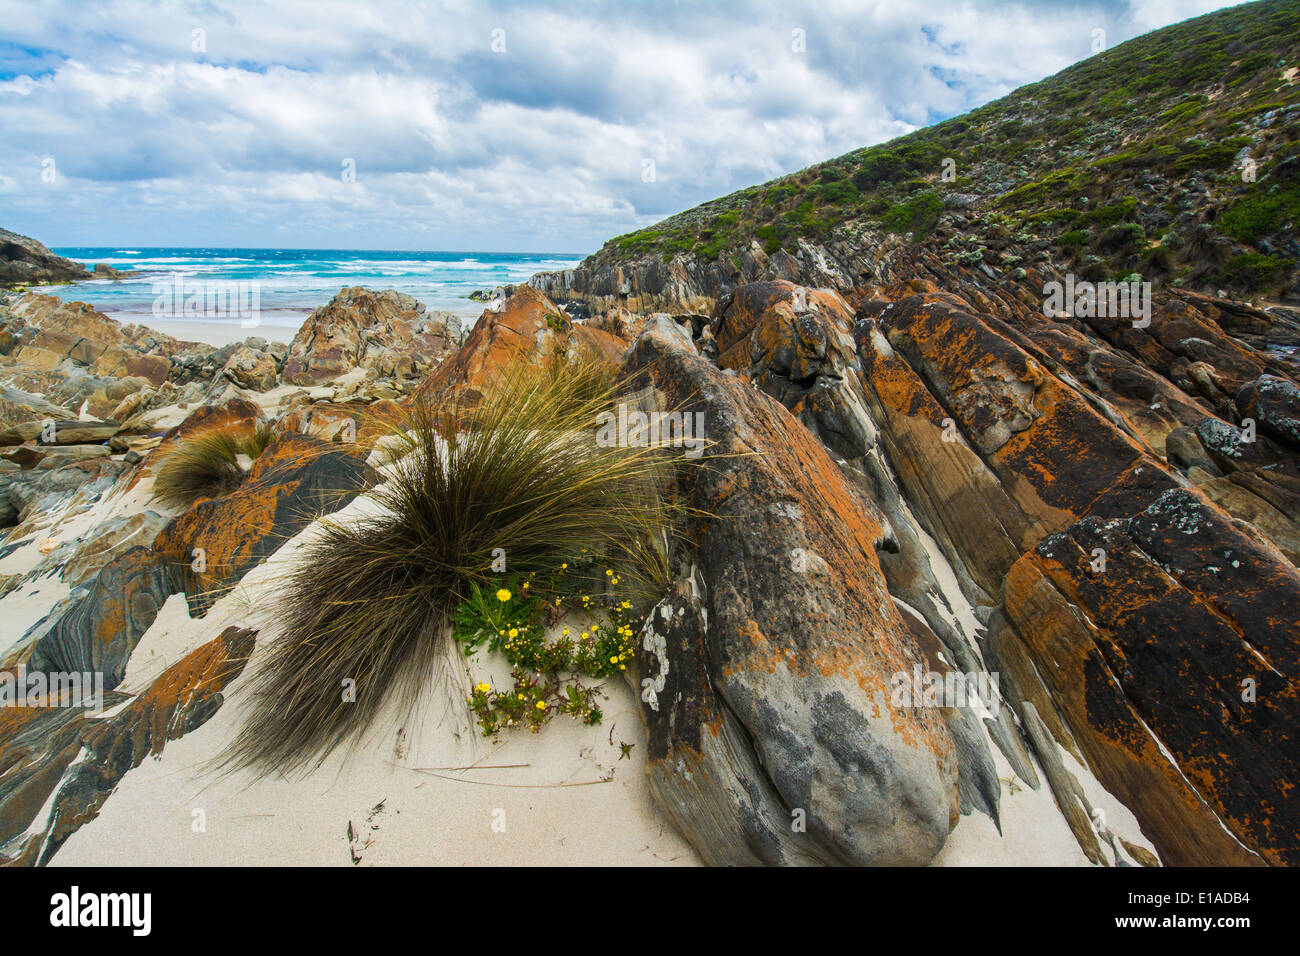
511	126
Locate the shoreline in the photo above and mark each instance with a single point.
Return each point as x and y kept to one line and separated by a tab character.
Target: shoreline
209	331
275	325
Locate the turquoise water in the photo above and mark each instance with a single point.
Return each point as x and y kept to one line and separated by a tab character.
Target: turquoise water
292	282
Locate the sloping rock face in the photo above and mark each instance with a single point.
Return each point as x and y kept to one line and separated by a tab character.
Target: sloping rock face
387	334
63	759
527	326
24	261
772	735
1174	662
1031	450
97	626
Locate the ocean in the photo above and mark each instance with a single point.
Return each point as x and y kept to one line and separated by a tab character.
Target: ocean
288	283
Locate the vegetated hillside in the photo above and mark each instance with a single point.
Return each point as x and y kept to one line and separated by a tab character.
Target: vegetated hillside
1135	160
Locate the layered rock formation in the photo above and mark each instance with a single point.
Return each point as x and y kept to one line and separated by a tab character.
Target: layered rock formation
1133	615
772	735
385	334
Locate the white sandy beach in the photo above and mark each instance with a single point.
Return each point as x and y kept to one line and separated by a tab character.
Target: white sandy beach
430	790
213	333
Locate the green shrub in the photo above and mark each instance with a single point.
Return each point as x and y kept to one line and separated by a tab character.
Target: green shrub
1124	236
1114	213
918	214
877	168
1254	271
1054	184
1262	213
841	193
1073	240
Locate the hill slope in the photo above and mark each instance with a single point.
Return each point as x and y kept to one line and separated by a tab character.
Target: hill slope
1174	155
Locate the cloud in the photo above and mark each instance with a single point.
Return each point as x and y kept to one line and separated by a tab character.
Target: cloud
472	125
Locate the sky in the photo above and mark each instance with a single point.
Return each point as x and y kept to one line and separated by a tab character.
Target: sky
478	126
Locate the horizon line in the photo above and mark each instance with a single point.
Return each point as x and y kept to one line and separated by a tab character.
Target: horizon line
458	252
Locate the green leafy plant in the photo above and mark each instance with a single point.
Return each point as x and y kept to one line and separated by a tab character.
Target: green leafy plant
917	215
489	613
550	670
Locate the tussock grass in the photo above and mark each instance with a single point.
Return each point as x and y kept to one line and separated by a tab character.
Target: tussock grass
516	468
208	465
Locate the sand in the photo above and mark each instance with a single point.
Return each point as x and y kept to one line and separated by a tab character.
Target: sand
213	333
424	789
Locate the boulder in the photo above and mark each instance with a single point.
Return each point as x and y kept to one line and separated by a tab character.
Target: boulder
528	326
772	736
386	334
252	369
1274	403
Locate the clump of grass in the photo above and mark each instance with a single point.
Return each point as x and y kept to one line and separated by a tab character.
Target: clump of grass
208	465
516	474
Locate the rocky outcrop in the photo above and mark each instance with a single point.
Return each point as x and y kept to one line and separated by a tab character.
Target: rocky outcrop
528	326
24	261
772	734
1167	642
202	552
385	334
59	764
1000	431
51	482
211	546
97	626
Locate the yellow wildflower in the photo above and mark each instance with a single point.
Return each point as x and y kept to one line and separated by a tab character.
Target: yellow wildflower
503	595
